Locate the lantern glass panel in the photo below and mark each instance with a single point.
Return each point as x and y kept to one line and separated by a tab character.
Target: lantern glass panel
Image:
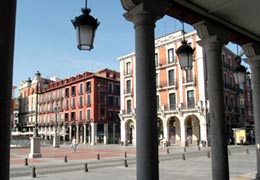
85	37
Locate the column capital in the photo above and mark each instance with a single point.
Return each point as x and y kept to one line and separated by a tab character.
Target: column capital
252	51
146	12
211	33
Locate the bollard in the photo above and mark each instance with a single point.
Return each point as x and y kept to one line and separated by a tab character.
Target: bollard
125	163
33	172
86	167
183	157
167	151
26	162
247	151
208	154
229	153
65	159
125	154
184	149
98	156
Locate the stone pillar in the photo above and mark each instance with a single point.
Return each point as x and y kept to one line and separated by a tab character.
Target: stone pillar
144	16
114	134
213	39
106	133
183	134
93	133
253	53
70	132
7	31
166	130
84	134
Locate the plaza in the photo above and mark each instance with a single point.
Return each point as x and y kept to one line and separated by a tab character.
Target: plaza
111	164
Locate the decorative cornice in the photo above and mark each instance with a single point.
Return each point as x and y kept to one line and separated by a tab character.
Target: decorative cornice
251	50
130	4
211	32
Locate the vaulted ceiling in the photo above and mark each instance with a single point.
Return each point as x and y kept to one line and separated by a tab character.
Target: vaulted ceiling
240	17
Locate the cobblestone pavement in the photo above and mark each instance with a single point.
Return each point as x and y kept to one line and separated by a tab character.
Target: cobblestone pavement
196	166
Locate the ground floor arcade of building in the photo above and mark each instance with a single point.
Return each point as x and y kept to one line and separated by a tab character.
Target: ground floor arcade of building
87	133
175	129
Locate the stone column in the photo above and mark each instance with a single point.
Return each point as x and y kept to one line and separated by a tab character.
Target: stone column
183	133
93	133
7	32
77	133
213	39
144	16
70	132
84	134
253	53
114	134
106	133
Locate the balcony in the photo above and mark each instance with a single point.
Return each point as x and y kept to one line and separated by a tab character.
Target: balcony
191	81
128	72
167	85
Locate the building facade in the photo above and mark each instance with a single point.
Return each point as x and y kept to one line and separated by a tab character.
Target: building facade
83	107
182	102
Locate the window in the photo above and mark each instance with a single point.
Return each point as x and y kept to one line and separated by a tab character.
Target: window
156	59
80	88
128	86
88	114
172	101
157	79
110	101
88	100
110	87
170	55
171	80
128	68
128	107
117	102
73	103
158	102
66	116
73	116
67	92
67	104
88	86
190	95
189	75
80	115
80	101
73	90
117	89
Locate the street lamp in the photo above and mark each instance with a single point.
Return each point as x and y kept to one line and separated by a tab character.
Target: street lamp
239	72
56	139
185	53
85	26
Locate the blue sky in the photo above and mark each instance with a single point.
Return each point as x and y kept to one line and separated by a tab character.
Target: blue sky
46	39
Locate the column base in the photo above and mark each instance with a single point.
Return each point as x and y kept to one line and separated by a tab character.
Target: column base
56	141
35	147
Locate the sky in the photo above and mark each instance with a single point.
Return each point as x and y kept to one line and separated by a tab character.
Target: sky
45	39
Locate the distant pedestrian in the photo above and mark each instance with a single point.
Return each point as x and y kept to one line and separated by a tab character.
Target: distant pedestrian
74	145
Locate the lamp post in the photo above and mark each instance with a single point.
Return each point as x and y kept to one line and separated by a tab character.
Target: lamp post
85	26
56	139
35	151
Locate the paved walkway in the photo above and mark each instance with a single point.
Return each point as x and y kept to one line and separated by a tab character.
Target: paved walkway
196	166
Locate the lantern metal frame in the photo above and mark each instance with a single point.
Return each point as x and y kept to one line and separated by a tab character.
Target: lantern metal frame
85	25
185	53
